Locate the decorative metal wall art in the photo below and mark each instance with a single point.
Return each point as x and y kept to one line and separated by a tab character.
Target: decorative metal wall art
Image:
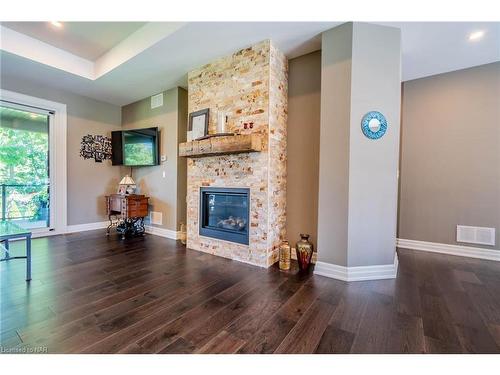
97	147
374	125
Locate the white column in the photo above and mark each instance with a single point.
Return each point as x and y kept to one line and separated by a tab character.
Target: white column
357	215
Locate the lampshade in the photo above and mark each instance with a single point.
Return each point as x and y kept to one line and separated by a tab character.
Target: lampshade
127	180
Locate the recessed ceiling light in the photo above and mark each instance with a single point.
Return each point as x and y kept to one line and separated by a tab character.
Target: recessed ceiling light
476	35
56	24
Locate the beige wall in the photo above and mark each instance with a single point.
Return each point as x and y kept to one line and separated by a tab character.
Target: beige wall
450	154
304	98
88	181
167	193
435	195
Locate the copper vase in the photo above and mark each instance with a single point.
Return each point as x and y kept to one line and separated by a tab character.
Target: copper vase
304	251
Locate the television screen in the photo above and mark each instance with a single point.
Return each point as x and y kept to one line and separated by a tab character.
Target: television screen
140	147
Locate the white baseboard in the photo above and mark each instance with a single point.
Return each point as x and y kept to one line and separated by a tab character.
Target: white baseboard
86	227
167	233
361	273
104	224
463	251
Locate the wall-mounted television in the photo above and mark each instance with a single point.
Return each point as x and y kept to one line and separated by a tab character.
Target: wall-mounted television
135	147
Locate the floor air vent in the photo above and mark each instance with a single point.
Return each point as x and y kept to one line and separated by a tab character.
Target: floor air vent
477	235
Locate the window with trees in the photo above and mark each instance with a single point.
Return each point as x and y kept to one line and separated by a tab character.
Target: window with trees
24	167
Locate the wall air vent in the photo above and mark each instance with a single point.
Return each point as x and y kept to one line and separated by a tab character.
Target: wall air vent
156	218
477	235
157	100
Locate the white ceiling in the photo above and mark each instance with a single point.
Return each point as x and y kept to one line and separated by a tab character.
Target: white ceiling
157	56
89	40
430	48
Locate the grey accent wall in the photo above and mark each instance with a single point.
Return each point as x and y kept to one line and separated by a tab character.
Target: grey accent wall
357	212
168	194
304	98
450	155
333	203
88	181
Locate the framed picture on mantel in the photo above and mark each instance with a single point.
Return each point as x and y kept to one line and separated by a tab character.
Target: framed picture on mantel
198	124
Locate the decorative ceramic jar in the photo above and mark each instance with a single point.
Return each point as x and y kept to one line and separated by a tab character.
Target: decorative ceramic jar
304	251
285	255
183	233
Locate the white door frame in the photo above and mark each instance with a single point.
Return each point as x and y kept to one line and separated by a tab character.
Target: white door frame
57	156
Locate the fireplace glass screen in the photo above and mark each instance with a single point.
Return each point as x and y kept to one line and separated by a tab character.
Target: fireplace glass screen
225	214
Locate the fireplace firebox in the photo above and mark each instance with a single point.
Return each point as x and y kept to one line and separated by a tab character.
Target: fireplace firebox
224	213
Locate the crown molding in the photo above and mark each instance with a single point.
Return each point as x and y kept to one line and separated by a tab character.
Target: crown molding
33	49
43	53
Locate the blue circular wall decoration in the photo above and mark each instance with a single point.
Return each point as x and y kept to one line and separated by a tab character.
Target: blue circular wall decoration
374	125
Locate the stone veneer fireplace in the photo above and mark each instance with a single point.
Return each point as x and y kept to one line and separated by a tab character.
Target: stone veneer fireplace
250	87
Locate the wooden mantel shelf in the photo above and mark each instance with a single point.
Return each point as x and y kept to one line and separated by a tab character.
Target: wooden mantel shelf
232	144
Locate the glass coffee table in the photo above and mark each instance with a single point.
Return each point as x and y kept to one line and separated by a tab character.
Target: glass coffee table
10	231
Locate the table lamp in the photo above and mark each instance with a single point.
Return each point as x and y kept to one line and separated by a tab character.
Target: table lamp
129	184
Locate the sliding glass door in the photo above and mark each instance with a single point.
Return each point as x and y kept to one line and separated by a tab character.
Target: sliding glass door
25	181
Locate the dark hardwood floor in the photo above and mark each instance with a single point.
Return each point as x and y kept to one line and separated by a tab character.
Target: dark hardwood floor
94	294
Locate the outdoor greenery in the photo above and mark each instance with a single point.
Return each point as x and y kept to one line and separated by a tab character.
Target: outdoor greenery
139	154
23	164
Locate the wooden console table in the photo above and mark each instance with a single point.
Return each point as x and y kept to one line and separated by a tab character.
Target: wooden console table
126	213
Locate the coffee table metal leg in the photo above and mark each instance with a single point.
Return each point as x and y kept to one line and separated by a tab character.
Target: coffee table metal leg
7	250
28	257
